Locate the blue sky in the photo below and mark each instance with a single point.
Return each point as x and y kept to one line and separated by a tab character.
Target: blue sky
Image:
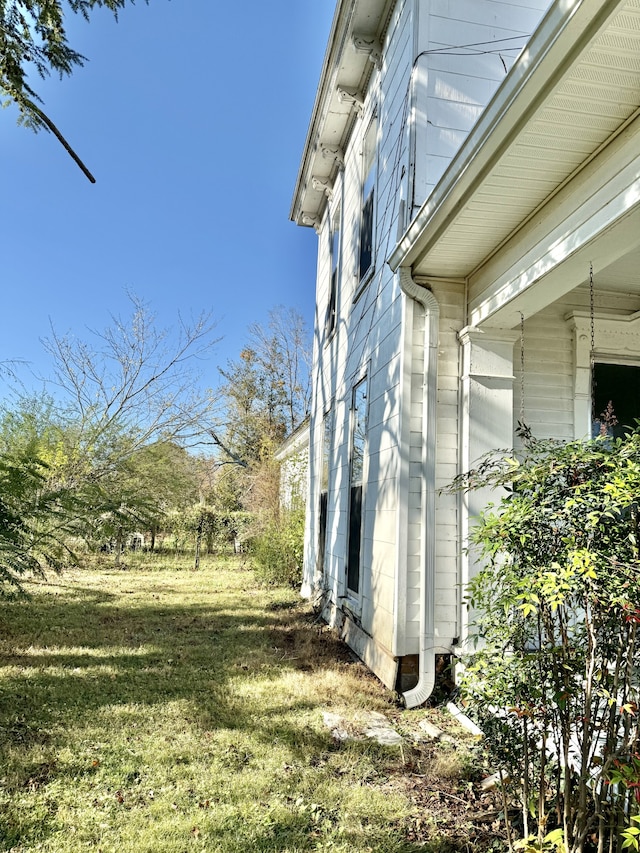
192	116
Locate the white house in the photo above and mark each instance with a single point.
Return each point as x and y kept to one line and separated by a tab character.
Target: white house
293	456
470	167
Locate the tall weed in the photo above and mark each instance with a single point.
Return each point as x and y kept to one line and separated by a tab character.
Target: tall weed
277	551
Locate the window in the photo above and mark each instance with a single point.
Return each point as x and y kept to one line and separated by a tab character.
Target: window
368	199
616	398
356	478
327	432
616	353
334	251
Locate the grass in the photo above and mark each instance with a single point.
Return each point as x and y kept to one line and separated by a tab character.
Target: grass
161	709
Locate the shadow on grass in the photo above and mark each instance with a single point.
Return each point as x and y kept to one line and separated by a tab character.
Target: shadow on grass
70	657
88	653
312	832
65	658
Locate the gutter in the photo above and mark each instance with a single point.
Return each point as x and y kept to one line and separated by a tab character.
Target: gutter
427	661
562	35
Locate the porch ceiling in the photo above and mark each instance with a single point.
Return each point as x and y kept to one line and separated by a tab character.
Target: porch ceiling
573	89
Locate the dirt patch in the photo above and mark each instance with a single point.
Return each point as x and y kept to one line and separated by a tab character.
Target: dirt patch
447	806
440	765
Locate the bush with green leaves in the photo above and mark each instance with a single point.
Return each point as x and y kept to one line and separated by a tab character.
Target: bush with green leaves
277	551
37	520
554	677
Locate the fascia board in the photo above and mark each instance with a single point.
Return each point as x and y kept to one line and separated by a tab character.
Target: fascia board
561	37
338	35
296	441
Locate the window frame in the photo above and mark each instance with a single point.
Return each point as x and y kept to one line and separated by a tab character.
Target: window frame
616	341
335	270
354	540
326	454
368	203
597	426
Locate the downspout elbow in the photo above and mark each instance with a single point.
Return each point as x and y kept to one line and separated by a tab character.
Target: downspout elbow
419	694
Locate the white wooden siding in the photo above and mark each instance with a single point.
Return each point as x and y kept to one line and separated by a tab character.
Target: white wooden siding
549	363
452	319
450	93
367	340
455	88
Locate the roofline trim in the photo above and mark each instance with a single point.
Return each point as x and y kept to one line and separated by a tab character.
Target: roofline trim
563	33
338	36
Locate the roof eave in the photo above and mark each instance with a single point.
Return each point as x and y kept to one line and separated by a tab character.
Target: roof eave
563	33
351	17
338	26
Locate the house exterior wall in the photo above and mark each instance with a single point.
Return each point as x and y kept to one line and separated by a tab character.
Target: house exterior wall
424	103
550	370
365	343
451	299
453	86
293	456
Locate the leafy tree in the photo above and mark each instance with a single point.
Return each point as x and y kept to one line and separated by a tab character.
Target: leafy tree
32	33
266	396
36	519
105	453
40	514
138	495
554	678
283	351
278	549
166	474
253	409
266	391
118	510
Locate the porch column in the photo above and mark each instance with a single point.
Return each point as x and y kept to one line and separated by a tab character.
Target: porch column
486	413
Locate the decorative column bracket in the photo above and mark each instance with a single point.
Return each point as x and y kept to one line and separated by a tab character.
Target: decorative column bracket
324	185
312	221
369	45
355	99
333	153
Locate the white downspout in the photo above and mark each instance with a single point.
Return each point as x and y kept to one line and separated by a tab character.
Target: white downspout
427	670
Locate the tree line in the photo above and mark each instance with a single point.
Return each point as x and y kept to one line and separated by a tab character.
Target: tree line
125	445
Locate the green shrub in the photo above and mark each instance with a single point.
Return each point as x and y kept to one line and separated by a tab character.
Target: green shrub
277	551
554	677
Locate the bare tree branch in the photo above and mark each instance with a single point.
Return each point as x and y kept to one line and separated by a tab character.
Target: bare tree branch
136	383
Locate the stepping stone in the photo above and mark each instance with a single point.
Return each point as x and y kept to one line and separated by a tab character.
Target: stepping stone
380	729
369	724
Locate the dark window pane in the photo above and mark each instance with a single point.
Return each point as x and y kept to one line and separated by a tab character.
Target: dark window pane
322	531
355	528
330	319
356	474
366	236
616	392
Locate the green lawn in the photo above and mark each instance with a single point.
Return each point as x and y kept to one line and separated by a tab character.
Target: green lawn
161	709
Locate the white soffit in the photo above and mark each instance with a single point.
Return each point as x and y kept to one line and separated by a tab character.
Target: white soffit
564	125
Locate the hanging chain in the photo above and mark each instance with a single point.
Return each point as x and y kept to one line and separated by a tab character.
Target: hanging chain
522	369
592	315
